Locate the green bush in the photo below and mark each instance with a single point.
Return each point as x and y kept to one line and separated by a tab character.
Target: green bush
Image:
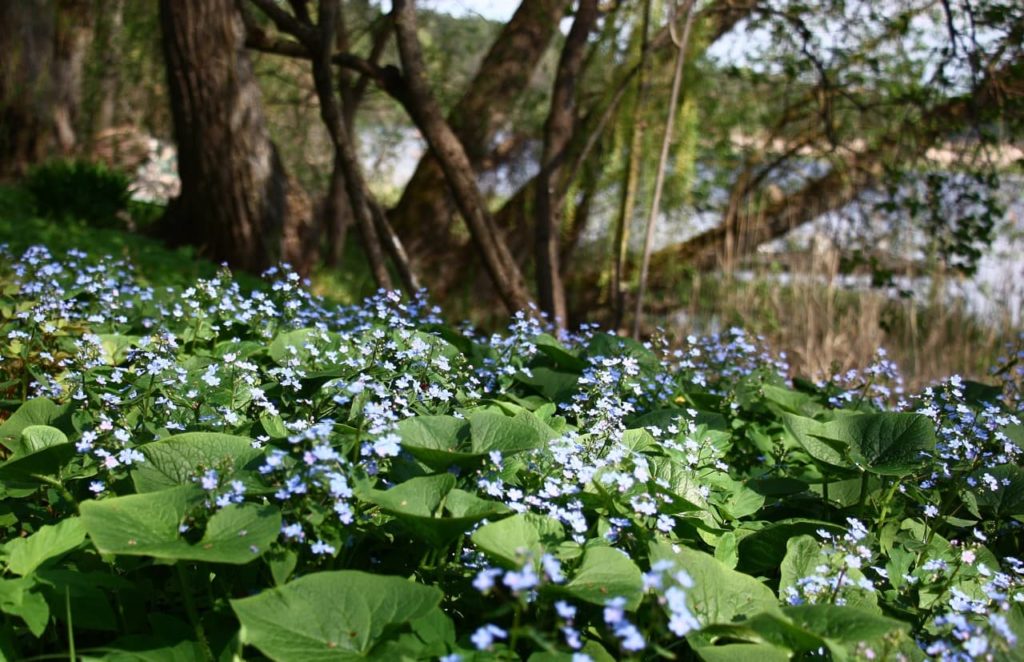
79	189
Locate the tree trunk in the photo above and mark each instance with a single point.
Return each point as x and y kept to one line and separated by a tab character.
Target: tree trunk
71	45
110	36
26	52
425	211
558	132
236	200
455	164
43	44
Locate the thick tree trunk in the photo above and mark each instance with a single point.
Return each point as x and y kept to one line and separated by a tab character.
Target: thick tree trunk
43	44
236	200
26	54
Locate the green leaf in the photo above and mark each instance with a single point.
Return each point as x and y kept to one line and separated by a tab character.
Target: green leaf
24	555
42	451
338	615
495	432
39	437
846	627
1008	499
889	443
607	573
39	411
549	346
431	636
179	459
417	496
438	441
418	504
727	550
90	607
147	525
554	385
719	594
116	347
793	402
743	653
801	558
512	539
813	437
18	597
763	551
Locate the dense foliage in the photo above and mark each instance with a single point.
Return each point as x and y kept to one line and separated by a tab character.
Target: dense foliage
203	471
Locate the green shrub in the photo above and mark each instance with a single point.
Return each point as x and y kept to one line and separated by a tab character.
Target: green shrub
82	190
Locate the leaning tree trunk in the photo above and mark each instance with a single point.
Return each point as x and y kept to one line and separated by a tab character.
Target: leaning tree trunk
237	202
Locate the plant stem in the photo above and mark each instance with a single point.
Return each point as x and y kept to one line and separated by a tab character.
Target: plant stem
193	615
71	629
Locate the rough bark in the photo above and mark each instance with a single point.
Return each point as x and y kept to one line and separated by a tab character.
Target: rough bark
558	132
71	45
43	44
237	202
26	54
455	164
426	208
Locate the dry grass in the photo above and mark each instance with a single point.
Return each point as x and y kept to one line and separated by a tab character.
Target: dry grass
825	328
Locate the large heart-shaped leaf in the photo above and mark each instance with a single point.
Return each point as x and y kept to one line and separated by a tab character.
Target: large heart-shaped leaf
431	509
607	573
888	443
1007	499
438	441
719	594
491	431
24	555
338	615
148	525
42	451
511	540
179	459
763	550
814	437
38	411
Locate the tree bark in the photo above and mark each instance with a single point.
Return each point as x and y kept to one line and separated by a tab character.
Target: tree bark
26	55
43	45
558	132
455	164
426	207
237	202
71	45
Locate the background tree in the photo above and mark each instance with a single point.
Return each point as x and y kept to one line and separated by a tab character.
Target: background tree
236	197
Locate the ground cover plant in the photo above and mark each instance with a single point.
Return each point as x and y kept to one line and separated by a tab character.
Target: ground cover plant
210	470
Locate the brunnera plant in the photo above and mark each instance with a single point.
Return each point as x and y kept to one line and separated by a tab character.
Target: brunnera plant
210	471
